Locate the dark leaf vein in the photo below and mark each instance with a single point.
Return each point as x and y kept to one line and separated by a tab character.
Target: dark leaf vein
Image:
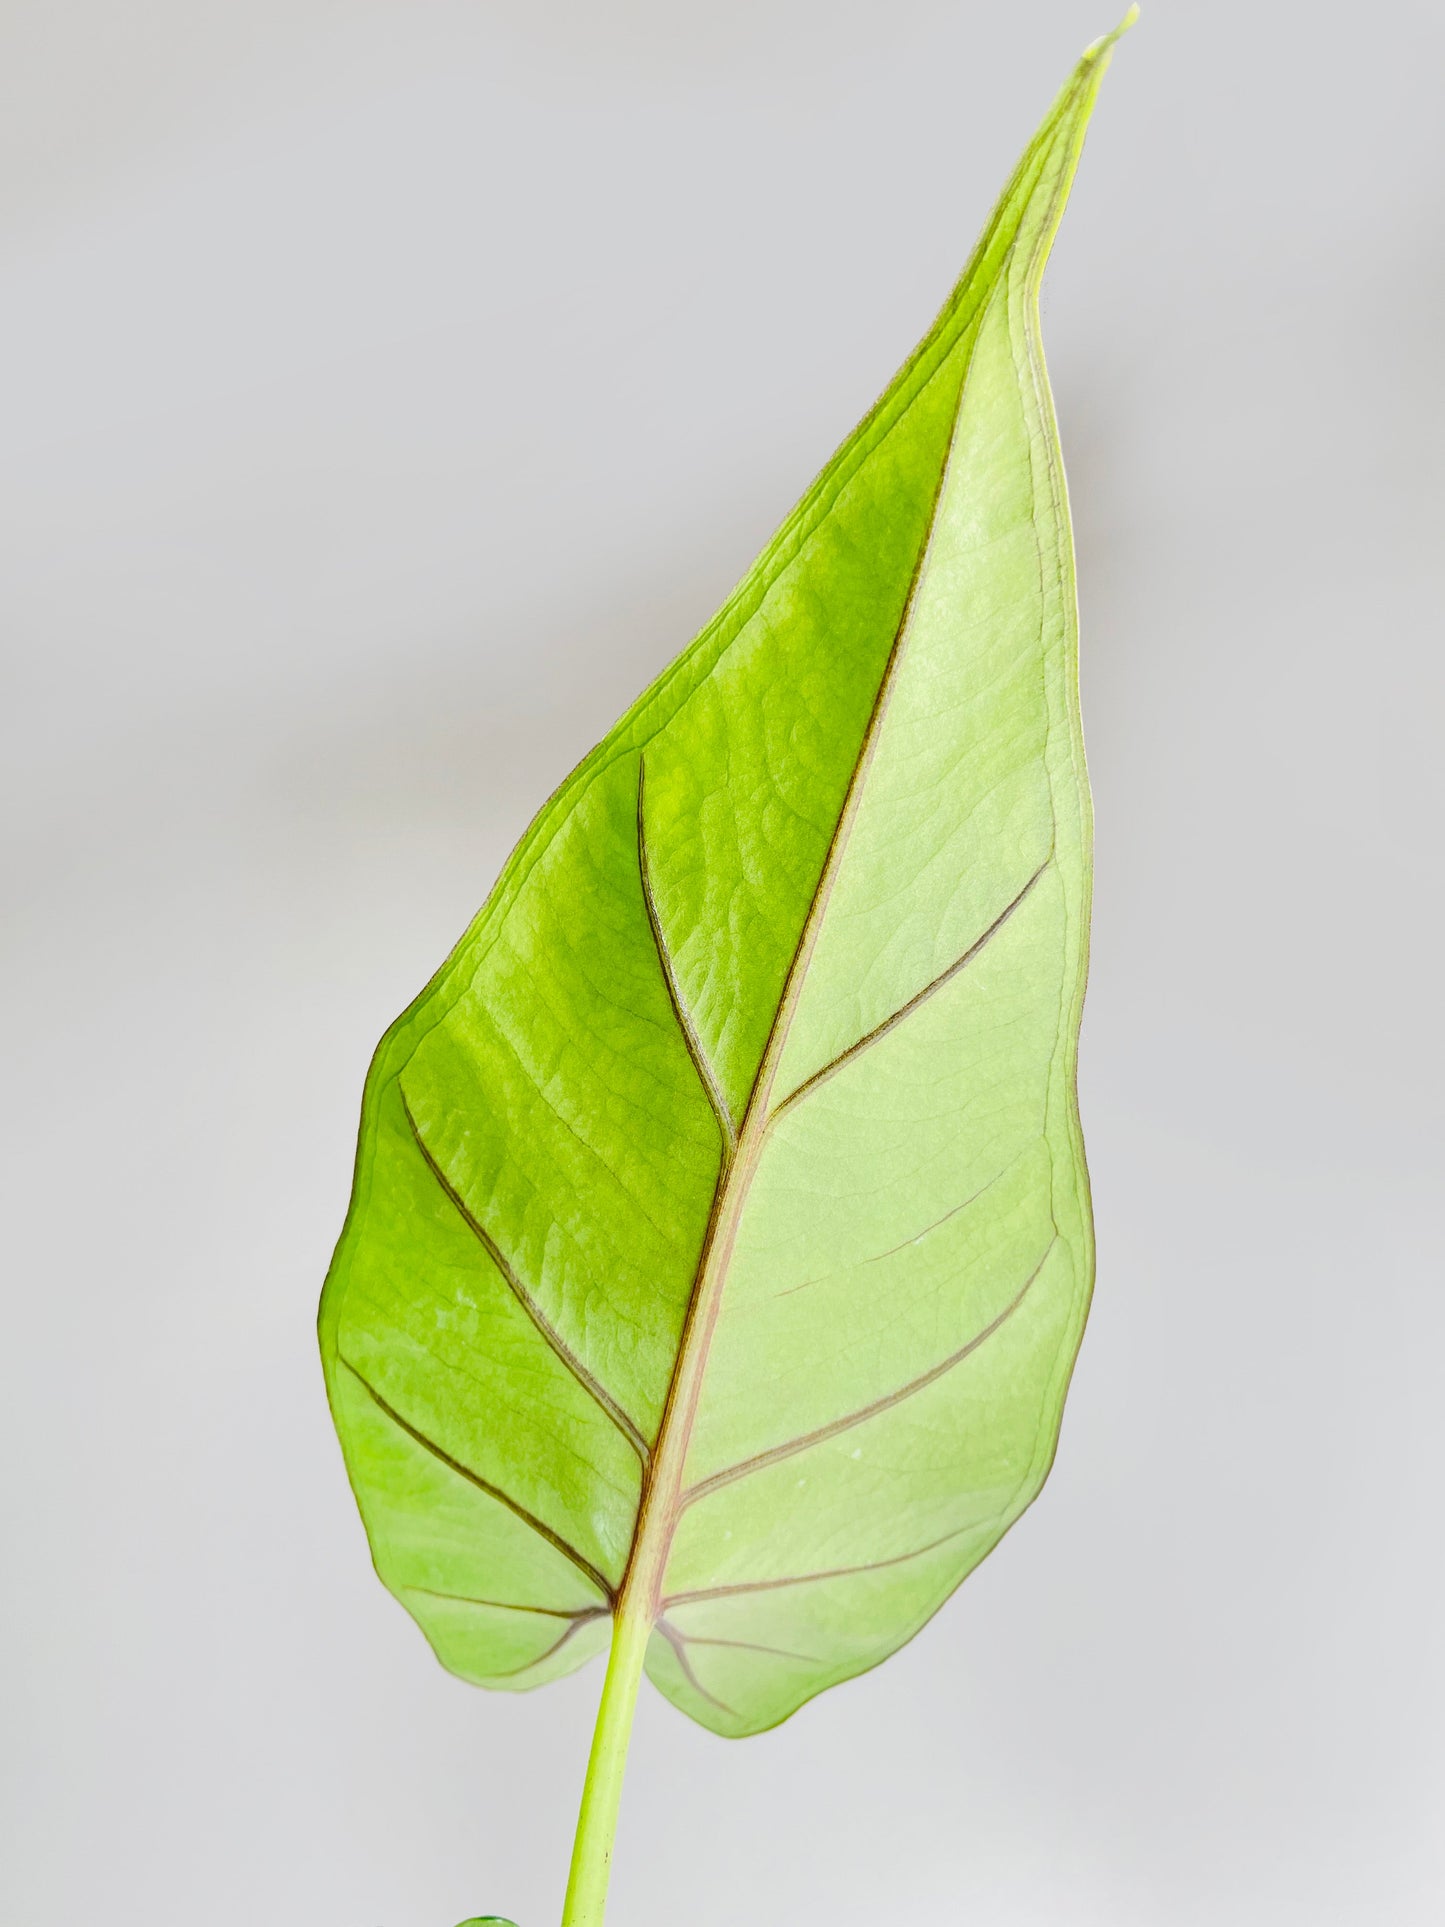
906	1010
539	1526
741	1586
791	1447
591	1385
751	1646
506	1605
914	1238
707	1077
678	1643
550	1652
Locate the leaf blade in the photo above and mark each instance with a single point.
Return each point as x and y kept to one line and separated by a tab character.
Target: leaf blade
785	980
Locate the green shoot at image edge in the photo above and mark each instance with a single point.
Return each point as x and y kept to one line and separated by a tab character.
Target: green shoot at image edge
720	1244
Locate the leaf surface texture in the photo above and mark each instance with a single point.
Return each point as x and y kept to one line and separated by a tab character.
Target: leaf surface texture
720	1213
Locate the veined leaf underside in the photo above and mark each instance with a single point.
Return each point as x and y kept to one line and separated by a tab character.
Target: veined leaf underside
721	1237
729	1136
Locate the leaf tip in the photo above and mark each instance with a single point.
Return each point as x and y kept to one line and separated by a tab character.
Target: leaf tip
1101	48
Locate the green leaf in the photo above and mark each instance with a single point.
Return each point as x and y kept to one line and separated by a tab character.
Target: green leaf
720	1240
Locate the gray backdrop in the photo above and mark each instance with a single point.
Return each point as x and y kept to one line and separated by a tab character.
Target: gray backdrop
389	391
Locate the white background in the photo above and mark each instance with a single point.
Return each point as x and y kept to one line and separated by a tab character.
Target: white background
390	387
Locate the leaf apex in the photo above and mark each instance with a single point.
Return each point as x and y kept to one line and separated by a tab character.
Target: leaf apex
1101	48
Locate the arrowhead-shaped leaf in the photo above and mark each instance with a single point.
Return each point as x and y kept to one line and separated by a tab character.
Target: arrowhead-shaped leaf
721	1223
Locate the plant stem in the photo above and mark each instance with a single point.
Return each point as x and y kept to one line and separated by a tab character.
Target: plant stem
586	1903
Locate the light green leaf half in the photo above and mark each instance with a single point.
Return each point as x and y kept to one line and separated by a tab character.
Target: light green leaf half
720	1236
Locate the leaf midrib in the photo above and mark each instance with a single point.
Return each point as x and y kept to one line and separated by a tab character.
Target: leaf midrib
650	1547
662	1490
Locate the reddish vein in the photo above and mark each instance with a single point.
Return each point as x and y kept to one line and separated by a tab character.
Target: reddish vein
812	1578
916	1238
559	1346
906	1010
507	1605
677	1641
751	1646
707	1077
791	1447
582	1563
550	1652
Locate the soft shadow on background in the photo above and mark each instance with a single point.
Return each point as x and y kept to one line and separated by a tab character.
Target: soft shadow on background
389	392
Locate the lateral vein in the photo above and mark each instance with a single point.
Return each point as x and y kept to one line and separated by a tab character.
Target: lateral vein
583	1564
550	1652
914	1003
554	1339
791	1447
751	1646
507	1605
740	1586
707	1077
915	1238
678	1642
